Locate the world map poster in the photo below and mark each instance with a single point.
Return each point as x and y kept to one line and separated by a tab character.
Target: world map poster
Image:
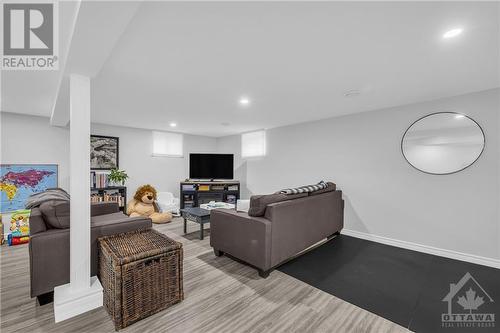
19	181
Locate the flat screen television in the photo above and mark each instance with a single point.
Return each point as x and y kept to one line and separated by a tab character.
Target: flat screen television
211	166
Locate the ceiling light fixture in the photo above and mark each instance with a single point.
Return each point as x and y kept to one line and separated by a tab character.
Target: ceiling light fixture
352	93
244	101
173	124
453	33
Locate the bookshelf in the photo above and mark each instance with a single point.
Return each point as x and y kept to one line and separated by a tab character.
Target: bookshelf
101	190
116	194
194	193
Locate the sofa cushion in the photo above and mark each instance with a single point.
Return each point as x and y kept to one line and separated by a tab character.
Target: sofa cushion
108	219
37	224
329	188
258	203
102	208
56	213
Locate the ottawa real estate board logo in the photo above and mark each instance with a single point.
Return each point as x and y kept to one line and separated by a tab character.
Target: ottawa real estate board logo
469	305
30	38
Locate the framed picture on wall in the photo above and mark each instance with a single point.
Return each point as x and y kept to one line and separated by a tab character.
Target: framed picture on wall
19	181
104	152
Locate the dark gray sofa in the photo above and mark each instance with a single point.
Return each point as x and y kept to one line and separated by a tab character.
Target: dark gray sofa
49	241
285	229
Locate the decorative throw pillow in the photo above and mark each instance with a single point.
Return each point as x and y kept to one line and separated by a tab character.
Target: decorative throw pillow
56	213
329	188
305	189
258	203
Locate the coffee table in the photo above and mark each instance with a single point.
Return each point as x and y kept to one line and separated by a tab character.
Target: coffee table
195	214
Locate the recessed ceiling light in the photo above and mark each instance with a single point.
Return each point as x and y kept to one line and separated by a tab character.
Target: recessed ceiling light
453	33
459	116
173	124
352	93
244	101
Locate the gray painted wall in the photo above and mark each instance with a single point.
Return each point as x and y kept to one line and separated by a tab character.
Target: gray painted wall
384	195
361	153
136	158
29	139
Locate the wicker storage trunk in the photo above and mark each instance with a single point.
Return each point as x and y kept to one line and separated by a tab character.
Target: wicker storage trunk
141	274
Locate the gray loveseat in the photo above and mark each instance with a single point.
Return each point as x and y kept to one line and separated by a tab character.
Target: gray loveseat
282	227
49	241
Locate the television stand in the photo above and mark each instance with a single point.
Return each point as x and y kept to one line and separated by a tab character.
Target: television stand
193	193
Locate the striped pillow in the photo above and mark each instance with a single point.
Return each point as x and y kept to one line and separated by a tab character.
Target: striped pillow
305	189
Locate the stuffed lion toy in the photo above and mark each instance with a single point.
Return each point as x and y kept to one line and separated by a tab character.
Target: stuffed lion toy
144	204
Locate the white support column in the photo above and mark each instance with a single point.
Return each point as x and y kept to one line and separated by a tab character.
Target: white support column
79	183
83	293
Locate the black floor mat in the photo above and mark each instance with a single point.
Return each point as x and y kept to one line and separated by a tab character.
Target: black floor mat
406	287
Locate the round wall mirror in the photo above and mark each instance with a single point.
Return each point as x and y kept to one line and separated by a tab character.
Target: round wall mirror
443	143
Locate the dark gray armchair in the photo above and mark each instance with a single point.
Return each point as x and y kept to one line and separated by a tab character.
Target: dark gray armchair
49	241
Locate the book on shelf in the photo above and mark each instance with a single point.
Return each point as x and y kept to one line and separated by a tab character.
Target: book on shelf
188	187
204	188
99	179
232	188
108	197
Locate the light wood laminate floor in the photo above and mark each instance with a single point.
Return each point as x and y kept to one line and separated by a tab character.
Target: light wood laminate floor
221	295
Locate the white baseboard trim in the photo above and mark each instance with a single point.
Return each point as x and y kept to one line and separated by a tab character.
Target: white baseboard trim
68	303
425	248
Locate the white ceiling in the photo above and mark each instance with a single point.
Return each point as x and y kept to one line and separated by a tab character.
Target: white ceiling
35	92
190	62
93	39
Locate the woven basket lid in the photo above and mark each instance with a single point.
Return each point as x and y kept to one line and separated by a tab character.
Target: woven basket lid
136	245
